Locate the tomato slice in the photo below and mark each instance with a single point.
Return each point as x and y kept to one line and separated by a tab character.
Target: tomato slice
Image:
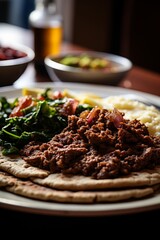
23	102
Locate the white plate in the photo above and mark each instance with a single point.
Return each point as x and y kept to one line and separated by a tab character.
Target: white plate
15	202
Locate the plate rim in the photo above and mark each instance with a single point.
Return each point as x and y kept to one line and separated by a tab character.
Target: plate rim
23	204
82	87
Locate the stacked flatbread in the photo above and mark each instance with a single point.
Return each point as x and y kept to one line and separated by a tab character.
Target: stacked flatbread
18	177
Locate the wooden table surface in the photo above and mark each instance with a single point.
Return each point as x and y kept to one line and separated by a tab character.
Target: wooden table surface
138	79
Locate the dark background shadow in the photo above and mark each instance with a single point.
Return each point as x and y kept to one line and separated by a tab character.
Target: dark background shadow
129	28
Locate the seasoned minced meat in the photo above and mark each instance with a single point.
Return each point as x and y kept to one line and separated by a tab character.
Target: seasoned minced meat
102	144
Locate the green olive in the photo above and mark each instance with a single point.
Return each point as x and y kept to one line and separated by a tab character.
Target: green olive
85	61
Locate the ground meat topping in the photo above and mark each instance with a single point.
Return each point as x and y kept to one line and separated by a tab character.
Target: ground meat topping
102	145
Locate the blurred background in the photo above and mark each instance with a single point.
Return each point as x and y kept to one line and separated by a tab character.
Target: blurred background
130	28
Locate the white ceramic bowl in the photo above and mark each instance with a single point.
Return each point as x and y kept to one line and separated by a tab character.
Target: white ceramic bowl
12	69
62	72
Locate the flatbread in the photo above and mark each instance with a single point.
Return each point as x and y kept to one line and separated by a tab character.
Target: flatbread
6	180
31	190
20	178
19	168
77	183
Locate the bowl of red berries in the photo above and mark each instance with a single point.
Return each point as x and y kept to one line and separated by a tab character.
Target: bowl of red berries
14	59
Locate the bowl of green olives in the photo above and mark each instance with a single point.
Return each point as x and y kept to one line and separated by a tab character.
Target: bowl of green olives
87	67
